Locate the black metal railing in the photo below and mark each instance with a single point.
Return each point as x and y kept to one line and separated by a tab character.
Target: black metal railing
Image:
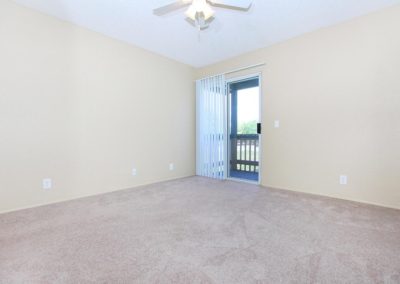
245	152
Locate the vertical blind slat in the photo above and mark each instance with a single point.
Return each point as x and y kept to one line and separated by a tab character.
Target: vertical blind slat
210	127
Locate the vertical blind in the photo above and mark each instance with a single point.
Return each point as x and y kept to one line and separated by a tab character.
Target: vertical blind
211	127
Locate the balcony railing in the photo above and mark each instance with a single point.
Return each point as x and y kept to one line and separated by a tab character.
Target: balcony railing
245	153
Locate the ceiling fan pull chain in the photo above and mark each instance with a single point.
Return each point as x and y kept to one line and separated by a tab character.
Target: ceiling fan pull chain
199	32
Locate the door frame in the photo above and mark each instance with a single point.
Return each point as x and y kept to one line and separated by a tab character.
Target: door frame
228	124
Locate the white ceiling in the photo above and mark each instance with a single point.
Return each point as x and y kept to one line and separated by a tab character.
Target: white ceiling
232	32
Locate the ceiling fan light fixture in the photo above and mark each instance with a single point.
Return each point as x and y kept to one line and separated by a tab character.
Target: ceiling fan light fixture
199	7
191	12
208	12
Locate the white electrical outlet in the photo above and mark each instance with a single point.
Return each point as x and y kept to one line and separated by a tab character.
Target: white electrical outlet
134	172
277	124
343	180
47	183
171	167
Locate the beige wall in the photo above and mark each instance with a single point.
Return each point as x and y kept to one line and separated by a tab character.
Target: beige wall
337	94
84	110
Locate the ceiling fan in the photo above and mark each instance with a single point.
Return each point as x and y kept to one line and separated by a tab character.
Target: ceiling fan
200	12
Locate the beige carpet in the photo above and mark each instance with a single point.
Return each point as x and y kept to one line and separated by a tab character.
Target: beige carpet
197	230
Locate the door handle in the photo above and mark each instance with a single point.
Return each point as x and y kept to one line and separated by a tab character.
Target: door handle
258	128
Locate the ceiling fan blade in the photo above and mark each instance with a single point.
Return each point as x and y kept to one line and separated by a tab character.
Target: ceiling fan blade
232	4
171	7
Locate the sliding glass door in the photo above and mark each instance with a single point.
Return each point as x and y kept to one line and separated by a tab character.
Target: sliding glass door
244	129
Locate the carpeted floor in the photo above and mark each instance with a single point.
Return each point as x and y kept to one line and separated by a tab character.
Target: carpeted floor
197	230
